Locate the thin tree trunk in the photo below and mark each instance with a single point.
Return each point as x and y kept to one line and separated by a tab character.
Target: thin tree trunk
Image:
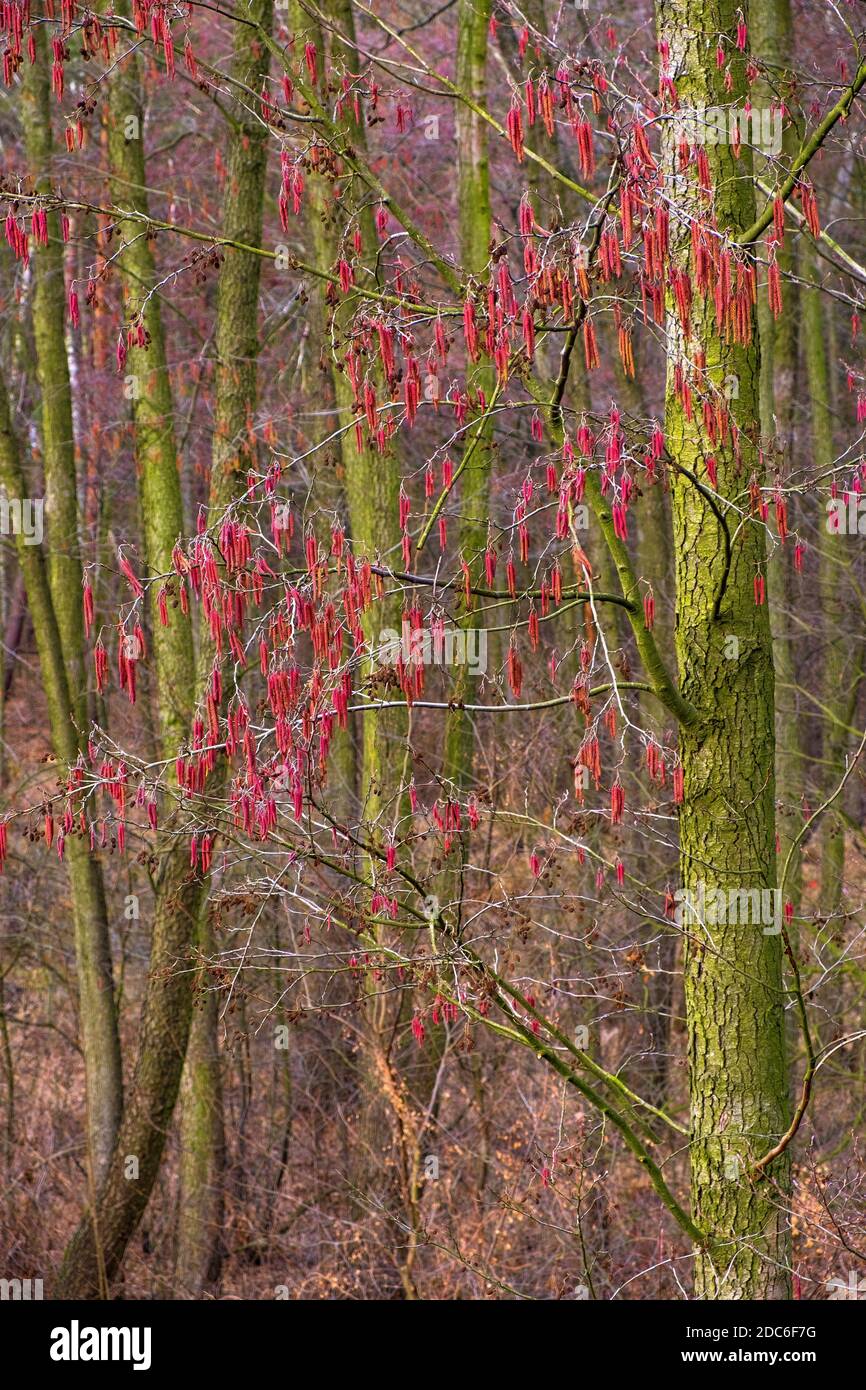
772	38
474	226
14	625
98	1018
834	556
98	1024
473	204
372	495
52	372
657	862
372	483
236	344
202	1139
328	490
97	1248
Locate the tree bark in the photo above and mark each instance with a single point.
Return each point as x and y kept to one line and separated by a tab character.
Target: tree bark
733	973
236	344
98	1019
473	205
839	682
94	1254
98	1016
772	40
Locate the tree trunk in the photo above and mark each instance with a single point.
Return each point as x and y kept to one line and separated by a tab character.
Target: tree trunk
98	1017
473	203
772	39
733	973
236	344
202	1140
98	1020
372	484
52	372
838	681
96	1250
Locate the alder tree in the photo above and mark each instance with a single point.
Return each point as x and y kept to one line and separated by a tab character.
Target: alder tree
433	477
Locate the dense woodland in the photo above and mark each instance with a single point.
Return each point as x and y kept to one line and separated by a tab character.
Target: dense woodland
432	592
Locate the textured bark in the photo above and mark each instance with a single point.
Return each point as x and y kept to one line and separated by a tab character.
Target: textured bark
655	863
733	973
15	619
94	1254
372	495
52	372
838	680
473	204
372	488
146	370
236	343
98	1021
98	1018
328	488
772	40
372	480
202	1140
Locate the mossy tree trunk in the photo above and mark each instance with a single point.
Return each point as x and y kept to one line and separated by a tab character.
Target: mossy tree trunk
97	1247
839	675
473	204
372	496
322	216
772	39
236	347
98	1018
656	866
201	1201
372	492
733	973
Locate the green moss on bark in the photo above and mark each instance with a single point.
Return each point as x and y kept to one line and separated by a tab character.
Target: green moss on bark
733	973
98	1017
